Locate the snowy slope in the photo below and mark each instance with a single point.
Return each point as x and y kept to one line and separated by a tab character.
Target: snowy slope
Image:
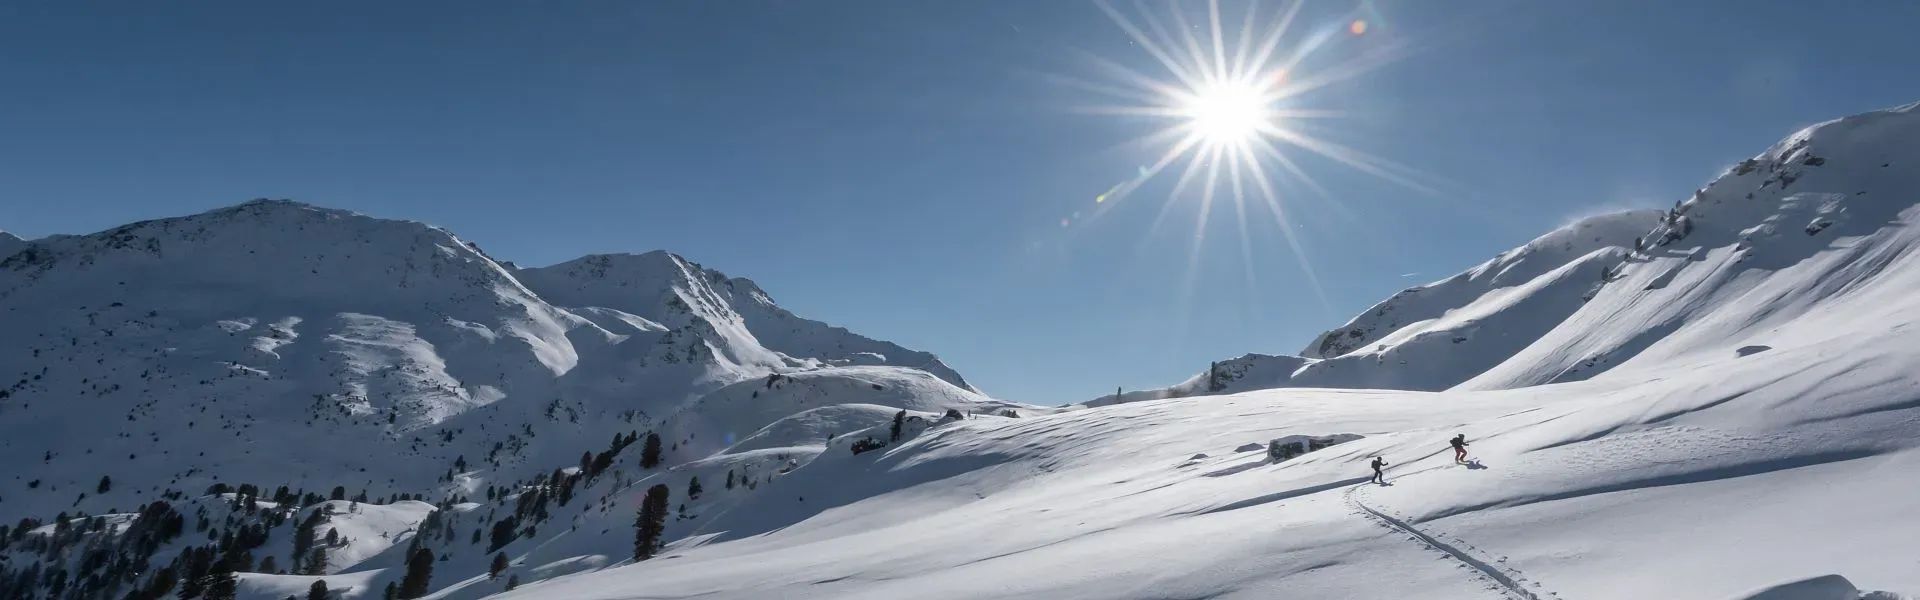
1418	310
1248	372
744	325
280	344
718	419
1725	411
268	343
1805	236
10	243
1439	335
1800	229
1575	486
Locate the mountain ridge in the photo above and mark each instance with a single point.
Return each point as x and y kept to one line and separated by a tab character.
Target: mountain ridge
1717	370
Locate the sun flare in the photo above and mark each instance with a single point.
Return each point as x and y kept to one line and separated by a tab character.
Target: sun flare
1228	112
1234	94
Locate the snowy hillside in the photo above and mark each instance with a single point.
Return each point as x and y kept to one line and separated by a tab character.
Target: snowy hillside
664	296
1724	409
1799	231
280	345
1713	401
1416	311
633	283
1439	335
10	243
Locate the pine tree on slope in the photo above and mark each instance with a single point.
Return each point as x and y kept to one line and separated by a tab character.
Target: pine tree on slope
651	523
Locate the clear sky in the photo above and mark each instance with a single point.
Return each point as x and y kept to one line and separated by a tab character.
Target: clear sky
925	172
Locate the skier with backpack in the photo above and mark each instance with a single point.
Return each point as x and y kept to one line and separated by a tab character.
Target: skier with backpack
1379	476
1459	448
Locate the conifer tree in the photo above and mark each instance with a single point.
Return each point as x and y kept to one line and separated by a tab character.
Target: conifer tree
317	561
651	523
419	574
899	419
499	565
318	591
221	584
650	454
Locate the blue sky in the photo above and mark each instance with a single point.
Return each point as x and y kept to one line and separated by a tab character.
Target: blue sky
903	168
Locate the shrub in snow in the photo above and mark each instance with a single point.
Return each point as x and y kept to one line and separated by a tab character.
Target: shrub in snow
1289	447
865	444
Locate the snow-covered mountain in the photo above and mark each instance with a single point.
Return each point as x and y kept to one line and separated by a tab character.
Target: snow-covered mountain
280	344
747	333
1709	275
1713	401
10	243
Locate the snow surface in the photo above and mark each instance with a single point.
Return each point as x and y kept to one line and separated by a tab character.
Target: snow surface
1712	401
385	350
281	344
1725	410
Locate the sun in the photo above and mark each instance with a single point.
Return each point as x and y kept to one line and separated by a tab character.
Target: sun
1236	96
1228	112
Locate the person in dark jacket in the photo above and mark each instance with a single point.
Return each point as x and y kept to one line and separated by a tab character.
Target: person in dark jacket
1460	448
1379	476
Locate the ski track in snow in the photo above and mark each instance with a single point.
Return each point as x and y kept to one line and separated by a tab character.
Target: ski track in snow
1510	581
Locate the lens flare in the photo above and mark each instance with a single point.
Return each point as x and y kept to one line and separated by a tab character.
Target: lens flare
1237	107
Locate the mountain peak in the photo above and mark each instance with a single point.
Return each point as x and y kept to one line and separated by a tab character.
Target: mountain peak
10	243
673	291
